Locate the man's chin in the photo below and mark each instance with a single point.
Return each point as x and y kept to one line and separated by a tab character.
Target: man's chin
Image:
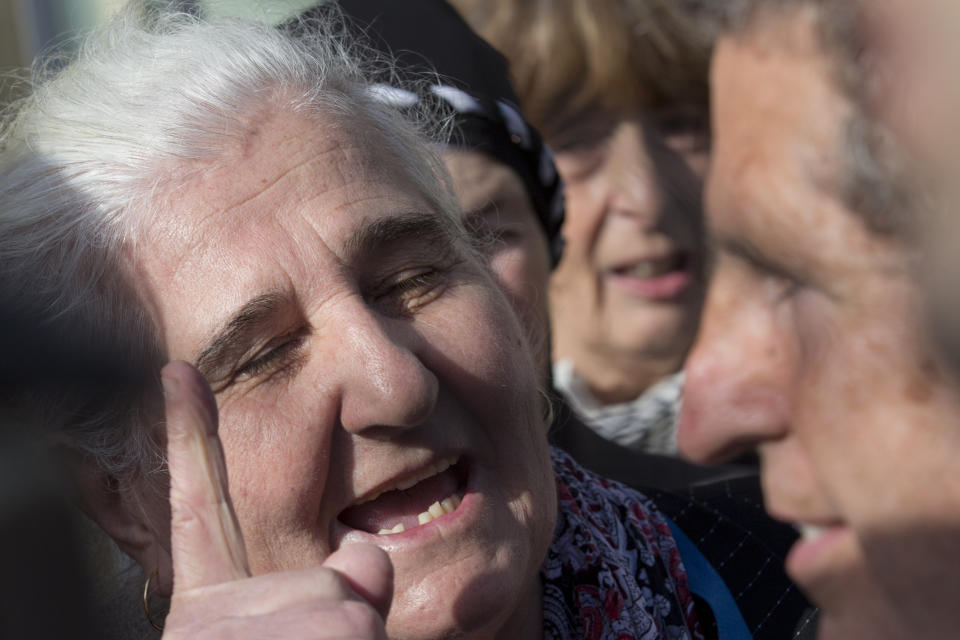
862	625
861	613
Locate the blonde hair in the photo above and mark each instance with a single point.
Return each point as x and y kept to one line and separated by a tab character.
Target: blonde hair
568	56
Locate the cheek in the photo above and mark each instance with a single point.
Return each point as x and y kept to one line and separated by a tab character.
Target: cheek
863	397
523	270
584	215
485	355
275	449
837	365
482	333
510	266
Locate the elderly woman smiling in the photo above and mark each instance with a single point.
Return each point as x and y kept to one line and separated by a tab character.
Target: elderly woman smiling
232	196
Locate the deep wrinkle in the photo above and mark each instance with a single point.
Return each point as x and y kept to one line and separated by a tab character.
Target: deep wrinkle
224	350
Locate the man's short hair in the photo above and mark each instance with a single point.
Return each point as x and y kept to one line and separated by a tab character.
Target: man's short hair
873	183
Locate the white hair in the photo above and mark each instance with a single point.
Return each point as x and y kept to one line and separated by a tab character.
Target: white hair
89	152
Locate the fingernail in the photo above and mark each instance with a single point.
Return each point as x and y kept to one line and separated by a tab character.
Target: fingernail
171	384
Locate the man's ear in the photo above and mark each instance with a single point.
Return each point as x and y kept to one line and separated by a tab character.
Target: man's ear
120	513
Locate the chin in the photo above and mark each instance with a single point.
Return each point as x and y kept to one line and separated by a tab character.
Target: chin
478	582
865	625
471	598
662	339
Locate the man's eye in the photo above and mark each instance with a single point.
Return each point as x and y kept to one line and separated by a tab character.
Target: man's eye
272	358
788	289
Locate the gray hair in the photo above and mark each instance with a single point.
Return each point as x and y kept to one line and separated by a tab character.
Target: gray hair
86	158
874	183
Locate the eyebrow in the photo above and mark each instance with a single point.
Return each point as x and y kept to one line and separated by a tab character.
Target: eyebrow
233	338
229	343
425	229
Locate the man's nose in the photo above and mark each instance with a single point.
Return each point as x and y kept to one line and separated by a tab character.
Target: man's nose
383	381
738	376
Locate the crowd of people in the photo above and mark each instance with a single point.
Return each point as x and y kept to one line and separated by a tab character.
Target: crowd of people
601	319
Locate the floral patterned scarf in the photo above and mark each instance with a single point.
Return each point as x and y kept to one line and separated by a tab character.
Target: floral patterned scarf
613	571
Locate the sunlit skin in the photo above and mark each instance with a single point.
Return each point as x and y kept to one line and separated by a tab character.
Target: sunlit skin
812	351
379	353
497	207
633	189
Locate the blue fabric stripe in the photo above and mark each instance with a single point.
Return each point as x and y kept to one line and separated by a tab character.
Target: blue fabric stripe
707	583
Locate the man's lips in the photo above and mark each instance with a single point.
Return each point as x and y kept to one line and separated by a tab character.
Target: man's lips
409	502
814	555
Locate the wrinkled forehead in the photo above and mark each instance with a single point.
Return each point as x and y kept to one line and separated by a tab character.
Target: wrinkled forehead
286	206
283	165
779	118
781	166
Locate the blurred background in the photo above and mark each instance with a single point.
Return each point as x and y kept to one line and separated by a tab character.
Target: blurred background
27	27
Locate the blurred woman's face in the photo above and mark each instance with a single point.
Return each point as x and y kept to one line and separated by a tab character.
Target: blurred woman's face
626	297
372	382
496	206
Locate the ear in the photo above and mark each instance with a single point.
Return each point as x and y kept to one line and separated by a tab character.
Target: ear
136	527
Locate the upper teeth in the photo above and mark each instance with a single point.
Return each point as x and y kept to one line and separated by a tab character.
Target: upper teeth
641	270
810	531
429	472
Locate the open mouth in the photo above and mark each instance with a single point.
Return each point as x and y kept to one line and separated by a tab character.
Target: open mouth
412	502
815	553
659	279
656	268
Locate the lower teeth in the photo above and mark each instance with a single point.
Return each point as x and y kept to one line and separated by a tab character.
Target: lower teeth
434	511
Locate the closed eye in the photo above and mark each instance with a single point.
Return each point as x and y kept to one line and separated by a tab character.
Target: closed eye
276	356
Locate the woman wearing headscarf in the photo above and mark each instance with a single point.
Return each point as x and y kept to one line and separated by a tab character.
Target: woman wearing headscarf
508	190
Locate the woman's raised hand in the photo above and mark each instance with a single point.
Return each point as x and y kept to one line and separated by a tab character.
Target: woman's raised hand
214	594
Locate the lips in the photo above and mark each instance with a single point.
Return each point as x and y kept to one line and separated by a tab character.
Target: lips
654	267
410	502
660	278
819	551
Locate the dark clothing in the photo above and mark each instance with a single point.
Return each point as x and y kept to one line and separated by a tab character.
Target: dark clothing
428	38
727	522
720	509
637	470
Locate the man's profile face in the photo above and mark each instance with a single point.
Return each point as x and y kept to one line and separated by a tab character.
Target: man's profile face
812	352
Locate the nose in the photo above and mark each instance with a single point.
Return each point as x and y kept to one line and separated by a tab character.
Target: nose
646	180
383	381
631	178
739	374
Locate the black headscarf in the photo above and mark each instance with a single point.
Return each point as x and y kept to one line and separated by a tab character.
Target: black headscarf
429	36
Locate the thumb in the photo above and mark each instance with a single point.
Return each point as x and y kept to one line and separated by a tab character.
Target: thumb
205	539
369	572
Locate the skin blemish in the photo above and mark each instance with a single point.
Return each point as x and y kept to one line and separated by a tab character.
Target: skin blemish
919	389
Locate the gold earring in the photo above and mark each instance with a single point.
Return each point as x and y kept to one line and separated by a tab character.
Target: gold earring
146	602
548	414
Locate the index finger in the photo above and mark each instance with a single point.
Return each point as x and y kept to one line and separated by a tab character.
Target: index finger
205	538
